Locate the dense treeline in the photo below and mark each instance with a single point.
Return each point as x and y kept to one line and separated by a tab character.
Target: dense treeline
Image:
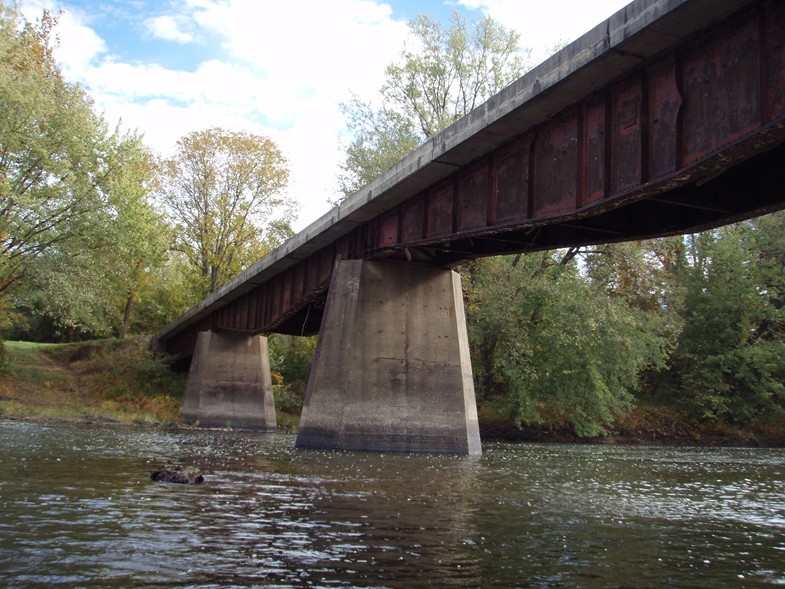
100	237
694	323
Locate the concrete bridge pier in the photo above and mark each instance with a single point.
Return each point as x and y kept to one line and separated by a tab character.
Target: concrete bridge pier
229	383
392	370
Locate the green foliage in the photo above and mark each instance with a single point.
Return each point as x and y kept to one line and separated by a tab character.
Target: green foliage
290	362
730	363
287	400
291	358
381	138
87	286
695	322
223	191
451	70
52	150
137	241
550	345
81	240
170	292
442	75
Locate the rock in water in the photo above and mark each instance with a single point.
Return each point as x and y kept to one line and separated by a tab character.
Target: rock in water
178	474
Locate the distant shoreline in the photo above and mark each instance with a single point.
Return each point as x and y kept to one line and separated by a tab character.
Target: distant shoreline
120	382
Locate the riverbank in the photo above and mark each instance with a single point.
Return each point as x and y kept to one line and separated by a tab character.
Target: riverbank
122	381
109	380
650	425
106	381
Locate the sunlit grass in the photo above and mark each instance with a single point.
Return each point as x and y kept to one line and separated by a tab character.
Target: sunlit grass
112	380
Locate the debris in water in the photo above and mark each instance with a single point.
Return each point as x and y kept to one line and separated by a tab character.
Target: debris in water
178	474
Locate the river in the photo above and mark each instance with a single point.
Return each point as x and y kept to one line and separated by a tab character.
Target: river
77	509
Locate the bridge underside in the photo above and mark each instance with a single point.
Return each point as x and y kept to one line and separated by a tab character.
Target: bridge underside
755	186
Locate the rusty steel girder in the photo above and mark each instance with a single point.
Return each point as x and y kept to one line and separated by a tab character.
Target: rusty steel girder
688	139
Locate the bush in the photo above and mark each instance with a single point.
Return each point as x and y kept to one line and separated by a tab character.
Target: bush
287	400
291	358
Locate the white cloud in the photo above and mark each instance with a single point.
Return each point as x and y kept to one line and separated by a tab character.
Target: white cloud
322	48
169	28
287	65
543	25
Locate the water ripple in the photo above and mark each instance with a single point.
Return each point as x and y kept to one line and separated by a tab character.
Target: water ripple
77	509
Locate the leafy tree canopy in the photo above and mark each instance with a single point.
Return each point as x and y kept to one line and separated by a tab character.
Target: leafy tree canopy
730	362
223	190
79	235
53	148
549	347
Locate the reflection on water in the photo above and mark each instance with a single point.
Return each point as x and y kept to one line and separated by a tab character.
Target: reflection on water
77	509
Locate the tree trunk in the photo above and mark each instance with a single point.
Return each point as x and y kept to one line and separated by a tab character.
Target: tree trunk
129	304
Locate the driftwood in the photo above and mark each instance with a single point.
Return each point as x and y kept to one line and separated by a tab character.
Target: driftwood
178	474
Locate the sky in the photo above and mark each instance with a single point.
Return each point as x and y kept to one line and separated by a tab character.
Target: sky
279	68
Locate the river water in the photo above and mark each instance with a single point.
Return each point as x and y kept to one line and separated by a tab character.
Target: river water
77	509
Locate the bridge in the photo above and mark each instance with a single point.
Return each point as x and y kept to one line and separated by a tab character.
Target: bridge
668	117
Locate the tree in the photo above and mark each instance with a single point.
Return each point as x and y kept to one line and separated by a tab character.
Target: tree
381	138
52	148
442	75
730	361
223	191
549	347
79	236
139	237
169	292
86	286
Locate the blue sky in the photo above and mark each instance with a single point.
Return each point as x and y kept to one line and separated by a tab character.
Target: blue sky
275	67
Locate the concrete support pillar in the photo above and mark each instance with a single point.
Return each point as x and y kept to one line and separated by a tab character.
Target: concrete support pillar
229	383
392	370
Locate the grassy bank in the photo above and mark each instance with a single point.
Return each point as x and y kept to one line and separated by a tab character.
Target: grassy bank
108	380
